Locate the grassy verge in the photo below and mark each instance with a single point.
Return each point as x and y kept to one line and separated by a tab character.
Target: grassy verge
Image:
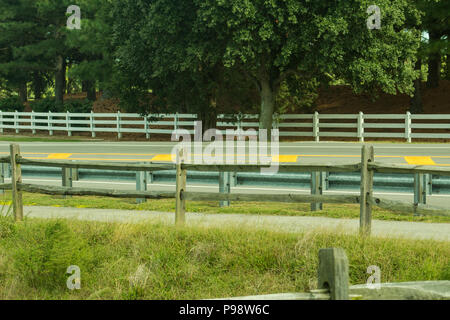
40	139
268	208
152	261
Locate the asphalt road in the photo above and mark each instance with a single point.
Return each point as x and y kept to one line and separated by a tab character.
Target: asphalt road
305	152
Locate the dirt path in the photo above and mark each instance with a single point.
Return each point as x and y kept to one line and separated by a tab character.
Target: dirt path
399	229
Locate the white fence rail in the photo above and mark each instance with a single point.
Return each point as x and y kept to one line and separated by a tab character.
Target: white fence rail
317	126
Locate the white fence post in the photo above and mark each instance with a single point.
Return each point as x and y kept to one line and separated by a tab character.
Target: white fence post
91	118
16	123
408	127
1	121
69	133
146	128
361	126
175	125
50	118
33	123
316	126
119	134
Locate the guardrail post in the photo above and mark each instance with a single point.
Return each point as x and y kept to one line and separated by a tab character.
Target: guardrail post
361	126
67	179
150	177
325	180
141	184
1	121
69	133
119	134
233	179
429	183
180	205
91	118
365	216
16	178
33	123
316	126
333	273
16	123
74	174
316	189
50	118
420	189
224	186
408	126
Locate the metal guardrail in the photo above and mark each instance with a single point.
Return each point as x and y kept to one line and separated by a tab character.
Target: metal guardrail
316	126
386	182
366	199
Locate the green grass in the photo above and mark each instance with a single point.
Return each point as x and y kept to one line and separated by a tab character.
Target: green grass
256	208
40	139
154	261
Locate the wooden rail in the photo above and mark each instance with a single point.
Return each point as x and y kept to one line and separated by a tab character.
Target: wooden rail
367	167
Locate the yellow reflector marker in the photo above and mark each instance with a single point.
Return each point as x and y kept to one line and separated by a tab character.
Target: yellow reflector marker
285	158
162	157
59	155
420	160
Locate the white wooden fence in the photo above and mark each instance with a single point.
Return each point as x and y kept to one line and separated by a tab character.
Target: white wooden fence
317	126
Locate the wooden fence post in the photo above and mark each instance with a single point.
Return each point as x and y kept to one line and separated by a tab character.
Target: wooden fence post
1	121
16	178
365	215
333	273
316	189
180	205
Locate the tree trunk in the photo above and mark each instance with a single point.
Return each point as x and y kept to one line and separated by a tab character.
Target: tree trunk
38	85
60	79
416	105
88	86
91	92
267	105
23	92
434	64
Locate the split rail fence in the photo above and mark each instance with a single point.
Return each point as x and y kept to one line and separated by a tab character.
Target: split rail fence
367	166
315	126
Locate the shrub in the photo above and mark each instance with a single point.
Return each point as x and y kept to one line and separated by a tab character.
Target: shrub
78	106
45	105
11	104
